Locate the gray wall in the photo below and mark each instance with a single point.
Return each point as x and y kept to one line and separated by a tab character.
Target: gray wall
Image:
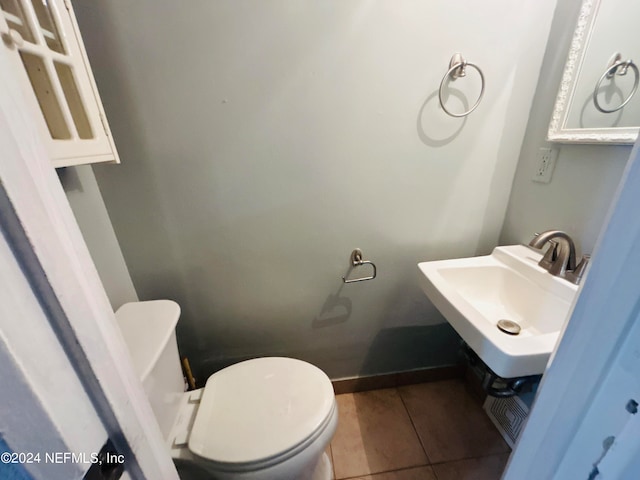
585	177
262	141
83	194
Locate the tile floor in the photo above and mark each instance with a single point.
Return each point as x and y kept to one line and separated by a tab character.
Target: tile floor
429	431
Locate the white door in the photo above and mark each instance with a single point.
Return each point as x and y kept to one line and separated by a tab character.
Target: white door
45	409
594	370
66	378
608	440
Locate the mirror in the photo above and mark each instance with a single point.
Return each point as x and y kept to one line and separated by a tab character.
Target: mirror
598	101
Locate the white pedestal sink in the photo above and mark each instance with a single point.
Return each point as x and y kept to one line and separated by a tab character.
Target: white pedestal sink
473	294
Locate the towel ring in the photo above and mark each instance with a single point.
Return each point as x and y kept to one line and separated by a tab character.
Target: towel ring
457	67
609	73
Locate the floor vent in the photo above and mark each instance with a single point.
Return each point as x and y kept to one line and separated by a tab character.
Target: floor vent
508	415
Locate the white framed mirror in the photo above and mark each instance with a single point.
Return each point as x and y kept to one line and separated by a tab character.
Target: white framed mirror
598	101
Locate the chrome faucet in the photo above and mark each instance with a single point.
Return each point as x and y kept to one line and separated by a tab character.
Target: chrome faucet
560	257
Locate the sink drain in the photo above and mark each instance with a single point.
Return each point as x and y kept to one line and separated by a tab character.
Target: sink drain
509	326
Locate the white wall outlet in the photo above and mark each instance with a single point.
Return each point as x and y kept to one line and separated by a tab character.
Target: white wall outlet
545	164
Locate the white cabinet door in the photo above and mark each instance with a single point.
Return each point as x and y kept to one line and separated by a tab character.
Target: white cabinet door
50	62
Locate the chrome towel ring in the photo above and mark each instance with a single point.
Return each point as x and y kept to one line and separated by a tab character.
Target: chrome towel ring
457	69
356	261
617	67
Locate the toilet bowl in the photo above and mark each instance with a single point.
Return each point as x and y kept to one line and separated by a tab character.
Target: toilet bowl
268	418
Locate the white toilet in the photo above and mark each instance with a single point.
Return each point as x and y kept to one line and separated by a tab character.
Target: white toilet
263	419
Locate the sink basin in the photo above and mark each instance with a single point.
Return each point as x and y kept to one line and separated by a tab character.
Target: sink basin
475	293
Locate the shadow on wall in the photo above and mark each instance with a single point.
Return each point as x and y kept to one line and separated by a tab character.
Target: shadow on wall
395	347
69	179
444	130
393	350
336	309
357	330
400	349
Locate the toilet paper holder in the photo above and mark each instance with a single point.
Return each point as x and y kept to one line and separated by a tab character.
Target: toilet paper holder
357	261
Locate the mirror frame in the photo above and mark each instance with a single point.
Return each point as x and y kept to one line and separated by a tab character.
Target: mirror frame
558	131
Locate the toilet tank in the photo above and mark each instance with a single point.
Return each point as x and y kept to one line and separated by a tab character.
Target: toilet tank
149	330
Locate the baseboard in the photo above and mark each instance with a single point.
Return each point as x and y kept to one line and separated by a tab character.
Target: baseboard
391	380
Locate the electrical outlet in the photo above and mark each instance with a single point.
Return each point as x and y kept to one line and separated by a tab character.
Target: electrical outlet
545	165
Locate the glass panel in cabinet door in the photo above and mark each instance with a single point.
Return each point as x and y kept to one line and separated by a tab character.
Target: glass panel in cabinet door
16	18
74	100
43	89
48	25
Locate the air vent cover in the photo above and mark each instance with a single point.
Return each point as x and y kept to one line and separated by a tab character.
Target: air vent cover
508	415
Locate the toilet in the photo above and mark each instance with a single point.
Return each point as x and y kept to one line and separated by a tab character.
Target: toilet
268	418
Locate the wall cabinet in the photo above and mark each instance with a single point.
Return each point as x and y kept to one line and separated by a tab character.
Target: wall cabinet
43	40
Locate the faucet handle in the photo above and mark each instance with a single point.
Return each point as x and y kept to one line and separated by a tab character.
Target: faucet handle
576	275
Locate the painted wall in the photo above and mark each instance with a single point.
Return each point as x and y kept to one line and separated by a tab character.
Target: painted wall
585	177
263	141
85	199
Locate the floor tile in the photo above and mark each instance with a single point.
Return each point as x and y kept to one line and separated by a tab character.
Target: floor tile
374	435
450	423
420	473
483	468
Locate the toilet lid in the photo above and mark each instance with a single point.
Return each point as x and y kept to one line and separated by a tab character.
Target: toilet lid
259	409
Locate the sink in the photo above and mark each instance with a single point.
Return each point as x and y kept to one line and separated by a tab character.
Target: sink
475	293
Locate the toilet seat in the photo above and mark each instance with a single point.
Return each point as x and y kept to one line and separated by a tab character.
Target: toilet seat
265	464
261	412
